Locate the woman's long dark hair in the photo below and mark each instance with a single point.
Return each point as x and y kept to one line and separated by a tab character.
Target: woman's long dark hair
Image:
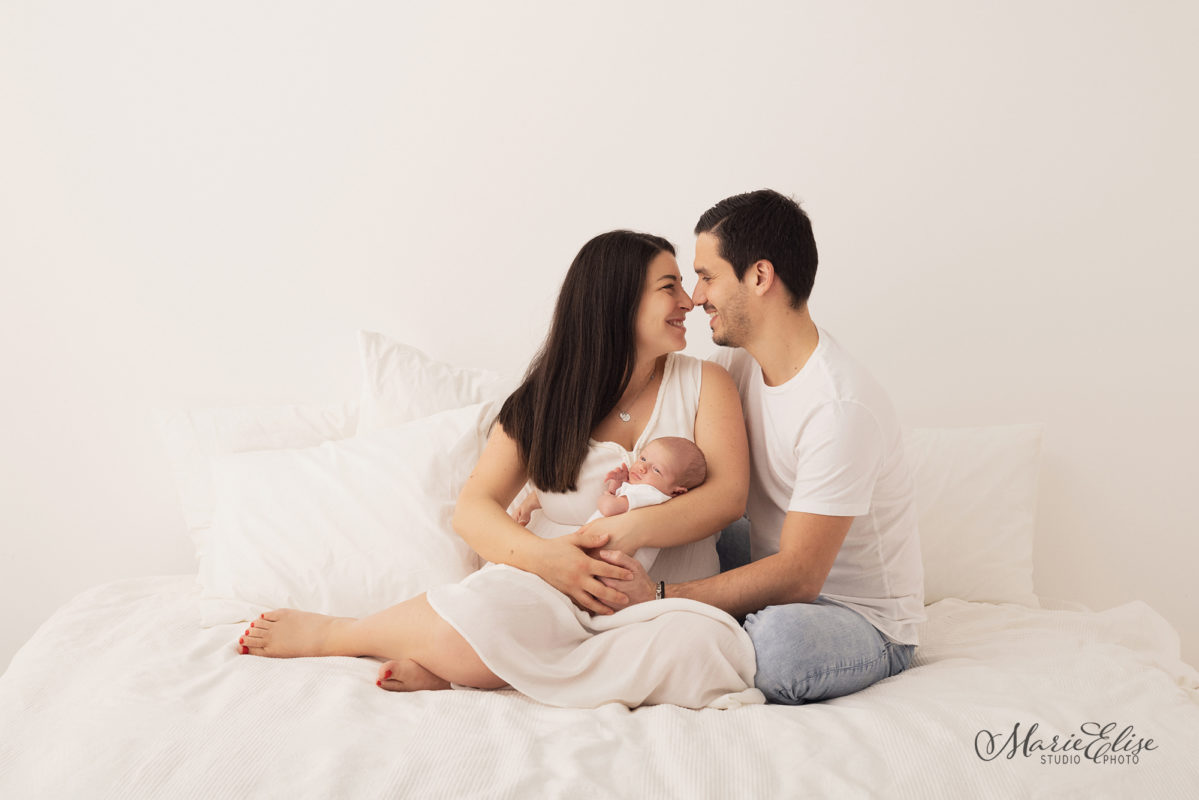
586	362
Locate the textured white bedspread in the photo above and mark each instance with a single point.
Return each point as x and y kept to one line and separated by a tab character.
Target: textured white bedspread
121	694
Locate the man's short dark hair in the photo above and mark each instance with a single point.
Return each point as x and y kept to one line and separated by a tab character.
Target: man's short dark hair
766	225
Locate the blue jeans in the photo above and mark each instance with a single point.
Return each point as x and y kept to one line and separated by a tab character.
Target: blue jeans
812	651
820	650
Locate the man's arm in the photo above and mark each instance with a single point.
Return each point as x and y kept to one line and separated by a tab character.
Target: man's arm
837	464
808	546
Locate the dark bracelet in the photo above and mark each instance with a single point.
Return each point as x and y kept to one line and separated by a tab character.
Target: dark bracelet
661	593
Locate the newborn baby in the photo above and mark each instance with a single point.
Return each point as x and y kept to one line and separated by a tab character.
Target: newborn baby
666	468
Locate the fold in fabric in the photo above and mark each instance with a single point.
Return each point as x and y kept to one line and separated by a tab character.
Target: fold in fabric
672	651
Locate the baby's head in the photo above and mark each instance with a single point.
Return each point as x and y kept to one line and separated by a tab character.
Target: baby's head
671	464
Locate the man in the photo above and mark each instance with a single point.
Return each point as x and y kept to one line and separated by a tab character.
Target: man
834	591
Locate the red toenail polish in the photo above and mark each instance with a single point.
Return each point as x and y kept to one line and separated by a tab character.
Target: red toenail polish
379	683
245	651
262	616
251	624
387	675
241	641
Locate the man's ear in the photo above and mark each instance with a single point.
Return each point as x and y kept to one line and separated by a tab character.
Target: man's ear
761	275
678	490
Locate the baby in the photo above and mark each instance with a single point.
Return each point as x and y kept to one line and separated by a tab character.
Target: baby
666	468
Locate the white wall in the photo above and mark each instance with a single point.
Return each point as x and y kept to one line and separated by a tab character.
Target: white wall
200	203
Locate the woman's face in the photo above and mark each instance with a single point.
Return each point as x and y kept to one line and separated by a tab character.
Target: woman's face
664	304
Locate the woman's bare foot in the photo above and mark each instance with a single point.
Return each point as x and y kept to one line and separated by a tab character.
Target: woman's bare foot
406	675
287	633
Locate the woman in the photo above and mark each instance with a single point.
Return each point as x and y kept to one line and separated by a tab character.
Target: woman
606	381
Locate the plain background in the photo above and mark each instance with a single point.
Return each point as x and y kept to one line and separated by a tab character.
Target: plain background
201	202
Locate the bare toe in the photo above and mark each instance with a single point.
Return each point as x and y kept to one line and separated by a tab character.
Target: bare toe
249	637
408	676
387	669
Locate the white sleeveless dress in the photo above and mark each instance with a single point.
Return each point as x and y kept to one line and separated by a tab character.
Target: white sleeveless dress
673	651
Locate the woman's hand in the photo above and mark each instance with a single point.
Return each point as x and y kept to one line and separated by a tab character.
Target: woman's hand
570	570
619	532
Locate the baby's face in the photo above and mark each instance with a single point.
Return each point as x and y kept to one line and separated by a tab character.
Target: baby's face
656	466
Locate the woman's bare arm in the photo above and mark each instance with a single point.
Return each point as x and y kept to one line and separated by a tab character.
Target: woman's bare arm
481	519
710	507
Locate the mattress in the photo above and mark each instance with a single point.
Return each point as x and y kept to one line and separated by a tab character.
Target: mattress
122	694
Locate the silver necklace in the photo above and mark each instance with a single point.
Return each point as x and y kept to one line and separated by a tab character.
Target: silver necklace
625	416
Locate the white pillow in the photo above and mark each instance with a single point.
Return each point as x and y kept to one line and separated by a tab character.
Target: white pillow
346	528
191	438
402	384
976	496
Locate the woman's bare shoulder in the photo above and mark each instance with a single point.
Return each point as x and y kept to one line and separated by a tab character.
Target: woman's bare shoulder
716	379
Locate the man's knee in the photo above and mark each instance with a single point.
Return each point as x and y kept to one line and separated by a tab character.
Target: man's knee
779	646
807	652
779	684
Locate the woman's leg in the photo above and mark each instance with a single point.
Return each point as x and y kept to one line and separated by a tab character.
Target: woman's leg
409	632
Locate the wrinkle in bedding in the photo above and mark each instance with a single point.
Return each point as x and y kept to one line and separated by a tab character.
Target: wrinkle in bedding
119	694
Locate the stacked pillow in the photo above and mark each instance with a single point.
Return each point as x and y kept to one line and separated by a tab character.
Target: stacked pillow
976	500
286	509
346	510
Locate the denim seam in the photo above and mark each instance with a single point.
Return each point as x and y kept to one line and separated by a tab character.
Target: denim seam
843	668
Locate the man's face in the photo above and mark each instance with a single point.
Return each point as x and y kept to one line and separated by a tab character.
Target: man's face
724	298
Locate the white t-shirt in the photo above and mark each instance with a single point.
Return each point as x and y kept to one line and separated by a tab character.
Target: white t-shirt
828	442
639	496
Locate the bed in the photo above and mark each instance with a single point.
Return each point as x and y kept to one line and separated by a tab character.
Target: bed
134	688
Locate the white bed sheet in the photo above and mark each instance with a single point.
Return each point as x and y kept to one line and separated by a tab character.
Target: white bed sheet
122	694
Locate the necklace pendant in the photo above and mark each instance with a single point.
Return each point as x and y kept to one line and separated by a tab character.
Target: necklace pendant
625	416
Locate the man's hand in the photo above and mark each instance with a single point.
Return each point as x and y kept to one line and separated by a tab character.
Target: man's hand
638	588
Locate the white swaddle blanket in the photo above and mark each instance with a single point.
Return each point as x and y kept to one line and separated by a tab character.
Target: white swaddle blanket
674	651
